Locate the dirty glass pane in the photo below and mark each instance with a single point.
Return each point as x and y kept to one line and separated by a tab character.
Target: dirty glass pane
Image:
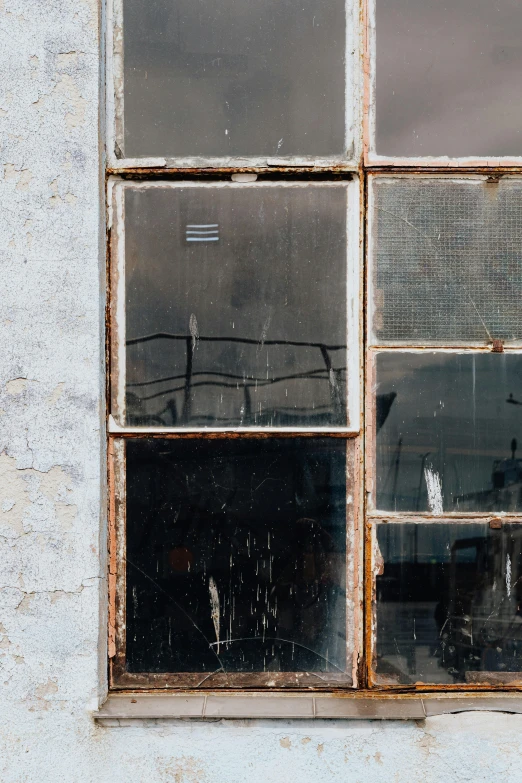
236	554
447	260
233	78
236	306
449	432
448	603
448	78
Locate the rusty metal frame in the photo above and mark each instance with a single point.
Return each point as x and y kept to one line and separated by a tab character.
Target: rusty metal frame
373	515
373	566
361	161
119	678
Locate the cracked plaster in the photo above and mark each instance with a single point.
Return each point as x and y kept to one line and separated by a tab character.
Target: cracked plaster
52	526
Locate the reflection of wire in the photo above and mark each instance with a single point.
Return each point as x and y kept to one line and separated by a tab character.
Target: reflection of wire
238	387
166	336
320	411
252	381
330	374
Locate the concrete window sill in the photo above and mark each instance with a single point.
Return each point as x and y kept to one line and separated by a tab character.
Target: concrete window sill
161	706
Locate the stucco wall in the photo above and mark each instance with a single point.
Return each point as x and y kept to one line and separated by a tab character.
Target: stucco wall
52	523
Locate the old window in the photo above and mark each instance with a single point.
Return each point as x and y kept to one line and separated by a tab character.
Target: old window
235	398
315	483
444	478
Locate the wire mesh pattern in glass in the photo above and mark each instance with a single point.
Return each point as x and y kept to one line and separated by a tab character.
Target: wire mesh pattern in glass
447	261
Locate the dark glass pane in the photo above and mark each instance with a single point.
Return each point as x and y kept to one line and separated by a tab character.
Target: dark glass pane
236	555
448	78
449	603
241	323
447	261
234	78
449	426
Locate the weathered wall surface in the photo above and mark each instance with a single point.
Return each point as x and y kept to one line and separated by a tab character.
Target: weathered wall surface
52	524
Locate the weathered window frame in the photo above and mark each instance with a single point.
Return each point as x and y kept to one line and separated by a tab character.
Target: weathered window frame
418	701
120	679
373	514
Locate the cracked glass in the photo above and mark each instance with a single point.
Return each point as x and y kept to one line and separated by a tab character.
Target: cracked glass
446	261
234	78
448	603
236	306
236	557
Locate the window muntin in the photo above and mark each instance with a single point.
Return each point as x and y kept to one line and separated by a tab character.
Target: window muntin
253	325
447	603
444	82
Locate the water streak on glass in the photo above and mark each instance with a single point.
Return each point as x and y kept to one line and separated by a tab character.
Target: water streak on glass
236	306
234	78
448	78
236	555
447	261
449	432
449	603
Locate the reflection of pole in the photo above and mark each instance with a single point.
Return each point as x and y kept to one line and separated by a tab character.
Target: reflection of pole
396	472
334	385
424	457
189	342
248	405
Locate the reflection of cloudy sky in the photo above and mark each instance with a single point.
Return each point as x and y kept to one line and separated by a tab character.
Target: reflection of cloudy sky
234	77
451	407
449	77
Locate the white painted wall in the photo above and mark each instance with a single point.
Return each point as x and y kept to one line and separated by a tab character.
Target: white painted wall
52	507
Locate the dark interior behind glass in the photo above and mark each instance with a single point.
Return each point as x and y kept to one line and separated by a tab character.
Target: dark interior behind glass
236	555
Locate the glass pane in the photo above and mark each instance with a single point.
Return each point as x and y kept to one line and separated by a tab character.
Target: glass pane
449	426
448	78
447	260
236	306
234	78
236	553
448	603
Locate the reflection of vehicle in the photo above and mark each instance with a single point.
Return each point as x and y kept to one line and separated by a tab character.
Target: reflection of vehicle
479	615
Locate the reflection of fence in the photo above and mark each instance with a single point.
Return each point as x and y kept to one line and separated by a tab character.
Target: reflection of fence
327	373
